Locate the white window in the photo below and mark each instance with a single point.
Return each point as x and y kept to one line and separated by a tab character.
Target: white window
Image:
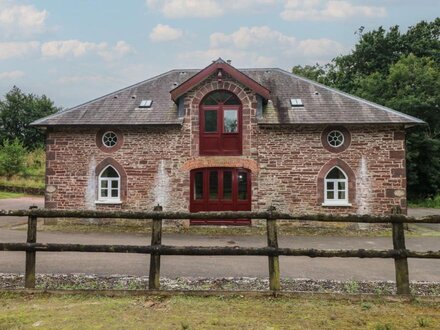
336	188
335	138
109	186
109	139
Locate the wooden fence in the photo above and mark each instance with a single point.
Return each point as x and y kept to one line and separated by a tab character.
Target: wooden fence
399	253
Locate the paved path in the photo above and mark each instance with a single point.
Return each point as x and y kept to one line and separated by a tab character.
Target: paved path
22	203
175	266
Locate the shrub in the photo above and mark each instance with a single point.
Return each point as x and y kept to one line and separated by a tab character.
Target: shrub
12	157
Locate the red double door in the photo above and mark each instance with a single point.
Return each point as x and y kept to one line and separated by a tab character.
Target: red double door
220	189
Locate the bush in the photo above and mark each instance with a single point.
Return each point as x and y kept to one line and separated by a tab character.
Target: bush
12	158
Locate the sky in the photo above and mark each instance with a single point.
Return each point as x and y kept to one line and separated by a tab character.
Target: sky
76	50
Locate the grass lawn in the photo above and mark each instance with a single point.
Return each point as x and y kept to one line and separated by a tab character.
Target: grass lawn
6	194
20	311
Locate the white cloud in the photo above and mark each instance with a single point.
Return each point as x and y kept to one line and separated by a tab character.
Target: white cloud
204	8
21	19
11	74
163	32
320	47
262	46
10	50
257	36
322	10
77	48
239	58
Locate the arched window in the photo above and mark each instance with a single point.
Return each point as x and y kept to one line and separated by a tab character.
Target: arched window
220	124
336	187
109	185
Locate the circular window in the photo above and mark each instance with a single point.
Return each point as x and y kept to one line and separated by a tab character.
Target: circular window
109	139
335	138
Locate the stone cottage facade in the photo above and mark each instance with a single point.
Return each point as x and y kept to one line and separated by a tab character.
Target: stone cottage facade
221	138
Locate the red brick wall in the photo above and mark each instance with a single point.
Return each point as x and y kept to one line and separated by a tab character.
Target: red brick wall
285	161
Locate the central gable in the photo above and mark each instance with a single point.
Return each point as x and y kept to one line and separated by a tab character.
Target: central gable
219	67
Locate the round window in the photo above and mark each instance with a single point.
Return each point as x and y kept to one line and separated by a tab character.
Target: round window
109	139
335	138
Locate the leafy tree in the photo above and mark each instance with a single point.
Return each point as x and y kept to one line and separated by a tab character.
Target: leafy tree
12	157
401	71
17	111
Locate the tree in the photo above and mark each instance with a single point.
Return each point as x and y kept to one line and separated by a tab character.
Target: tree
12	156
400	71
17	111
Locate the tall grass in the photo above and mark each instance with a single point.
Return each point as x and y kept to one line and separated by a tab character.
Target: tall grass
430	202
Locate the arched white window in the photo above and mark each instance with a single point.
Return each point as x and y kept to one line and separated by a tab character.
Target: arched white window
109	185
336	187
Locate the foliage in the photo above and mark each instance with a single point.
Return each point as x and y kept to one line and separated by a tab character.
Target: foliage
430	202
17	111
12	156
400	71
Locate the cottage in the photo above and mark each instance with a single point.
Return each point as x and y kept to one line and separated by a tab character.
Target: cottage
223	138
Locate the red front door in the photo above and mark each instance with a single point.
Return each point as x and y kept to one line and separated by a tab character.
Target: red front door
220	189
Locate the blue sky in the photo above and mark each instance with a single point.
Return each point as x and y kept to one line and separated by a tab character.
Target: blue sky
76	50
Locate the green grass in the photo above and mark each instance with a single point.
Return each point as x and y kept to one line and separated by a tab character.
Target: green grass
6	194
44	311
433	202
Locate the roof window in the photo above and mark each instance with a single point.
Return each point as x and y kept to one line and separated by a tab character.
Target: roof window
146	104
296	103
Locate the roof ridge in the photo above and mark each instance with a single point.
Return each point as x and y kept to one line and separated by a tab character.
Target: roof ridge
353	97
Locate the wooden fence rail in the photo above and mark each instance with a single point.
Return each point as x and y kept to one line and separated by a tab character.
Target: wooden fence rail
399	252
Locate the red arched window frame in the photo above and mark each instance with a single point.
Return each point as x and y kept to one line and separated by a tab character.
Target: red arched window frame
218	135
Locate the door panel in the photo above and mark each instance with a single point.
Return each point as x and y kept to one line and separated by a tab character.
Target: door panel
220	189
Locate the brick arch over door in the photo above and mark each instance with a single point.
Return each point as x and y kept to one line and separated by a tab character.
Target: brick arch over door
336	162
249	110
118	167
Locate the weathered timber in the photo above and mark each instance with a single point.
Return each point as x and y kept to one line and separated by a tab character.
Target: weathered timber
400	262
217	250
29	278
156	240
51	213
274	260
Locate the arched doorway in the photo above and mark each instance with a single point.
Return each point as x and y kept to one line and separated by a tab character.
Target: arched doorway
220	124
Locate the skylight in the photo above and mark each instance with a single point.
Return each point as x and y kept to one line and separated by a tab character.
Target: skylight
296	103
146	104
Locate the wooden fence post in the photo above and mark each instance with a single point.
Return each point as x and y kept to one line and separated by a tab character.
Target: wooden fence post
400	263
274	262
156	239
29	279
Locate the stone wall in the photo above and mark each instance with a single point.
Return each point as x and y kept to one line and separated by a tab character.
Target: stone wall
287	163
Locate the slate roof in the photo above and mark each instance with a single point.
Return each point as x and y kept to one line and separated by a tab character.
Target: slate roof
322	105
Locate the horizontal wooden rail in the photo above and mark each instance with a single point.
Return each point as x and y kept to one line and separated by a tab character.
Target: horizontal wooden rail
217	250
50	213
399	252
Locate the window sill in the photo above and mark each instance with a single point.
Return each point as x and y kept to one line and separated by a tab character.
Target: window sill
115	202
336	204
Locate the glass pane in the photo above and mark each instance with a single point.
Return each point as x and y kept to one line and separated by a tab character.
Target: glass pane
330	195
330	185
341	185
210	101
242	185
110	172
230	121
198	185
211	121
227	185
233	100
335	173
115	184
115	193
104	184
341	195
213	185
104	193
